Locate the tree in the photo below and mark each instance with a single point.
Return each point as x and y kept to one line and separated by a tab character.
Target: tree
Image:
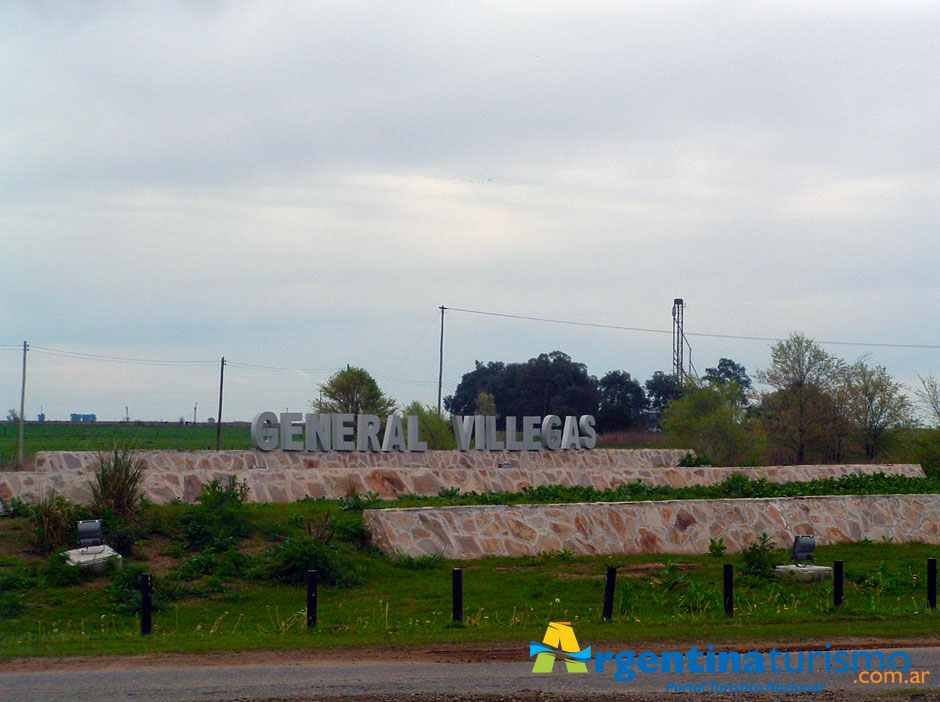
929	395
548	384
485	377
661	388
730	372
622	402
803	414
13	415
433	428
353	391
710	418
875	404
486	404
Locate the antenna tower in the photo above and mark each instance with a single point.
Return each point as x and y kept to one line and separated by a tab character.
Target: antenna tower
678	340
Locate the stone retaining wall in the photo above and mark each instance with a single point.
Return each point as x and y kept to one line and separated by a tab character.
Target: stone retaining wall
280	476
672	526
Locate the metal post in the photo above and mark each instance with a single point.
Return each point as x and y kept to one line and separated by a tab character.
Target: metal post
311	599
457	591
146	604
838	574
22	404
440	371
609	584
218	421
932	583
729	590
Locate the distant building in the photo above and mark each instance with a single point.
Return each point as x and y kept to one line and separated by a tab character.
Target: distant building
41	417
83	418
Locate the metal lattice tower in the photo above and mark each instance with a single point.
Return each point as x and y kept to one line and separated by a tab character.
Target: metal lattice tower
678	340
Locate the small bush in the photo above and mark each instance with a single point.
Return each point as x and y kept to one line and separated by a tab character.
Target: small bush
716	547
118	484
52	520
760	558
293	558
15	581
14	507
58	573
124	591
219	519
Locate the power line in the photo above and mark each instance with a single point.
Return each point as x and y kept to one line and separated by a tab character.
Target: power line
711	335
116	359
256	366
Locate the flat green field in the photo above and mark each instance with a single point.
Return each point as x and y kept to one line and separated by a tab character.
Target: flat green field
54	436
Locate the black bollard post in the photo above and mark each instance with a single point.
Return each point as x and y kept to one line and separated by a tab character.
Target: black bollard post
729	590
838	583
609	593
311	599
932	583
146	604
457	591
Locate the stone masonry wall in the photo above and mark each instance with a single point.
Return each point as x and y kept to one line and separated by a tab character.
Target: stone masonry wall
673	526
287	476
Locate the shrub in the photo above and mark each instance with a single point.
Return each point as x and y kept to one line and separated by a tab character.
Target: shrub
716	547
117	485
219	519
760	558
293	558
124	591
14	507
52	520
58	573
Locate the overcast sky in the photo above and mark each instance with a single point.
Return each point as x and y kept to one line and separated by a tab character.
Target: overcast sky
302	185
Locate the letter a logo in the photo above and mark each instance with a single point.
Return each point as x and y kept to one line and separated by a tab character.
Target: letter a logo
559	641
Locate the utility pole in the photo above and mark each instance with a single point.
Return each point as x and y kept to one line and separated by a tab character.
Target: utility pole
440	372
218	421
195	405
22	403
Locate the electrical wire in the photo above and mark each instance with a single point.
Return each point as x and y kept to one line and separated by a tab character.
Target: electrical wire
712	335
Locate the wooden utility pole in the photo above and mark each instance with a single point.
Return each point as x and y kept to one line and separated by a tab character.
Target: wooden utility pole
440	372
218	421
22	403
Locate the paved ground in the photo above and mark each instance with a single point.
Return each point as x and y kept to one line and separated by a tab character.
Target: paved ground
402	679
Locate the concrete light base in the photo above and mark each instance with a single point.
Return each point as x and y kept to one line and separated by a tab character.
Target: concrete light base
94	557
805	574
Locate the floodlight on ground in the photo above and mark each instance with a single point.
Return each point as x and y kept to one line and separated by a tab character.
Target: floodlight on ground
90	533
803	547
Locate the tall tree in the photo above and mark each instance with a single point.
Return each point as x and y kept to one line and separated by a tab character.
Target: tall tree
660	389
548	384
709	418
353	391
875	404
803	413
622	402
728	371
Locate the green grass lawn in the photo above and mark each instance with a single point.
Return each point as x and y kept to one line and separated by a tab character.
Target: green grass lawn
226	598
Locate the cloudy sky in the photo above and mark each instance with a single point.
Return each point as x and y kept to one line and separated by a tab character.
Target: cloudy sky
302	185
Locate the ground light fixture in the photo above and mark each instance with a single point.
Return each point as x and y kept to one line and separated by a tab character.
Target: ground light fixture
803	547
90	533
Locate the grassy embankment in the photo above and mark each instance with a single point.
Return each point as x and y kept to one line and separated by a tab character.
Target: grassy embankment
220	578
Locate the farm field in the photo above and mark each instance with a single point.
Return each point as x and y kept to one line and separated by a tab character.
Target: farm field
228	577
100	436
